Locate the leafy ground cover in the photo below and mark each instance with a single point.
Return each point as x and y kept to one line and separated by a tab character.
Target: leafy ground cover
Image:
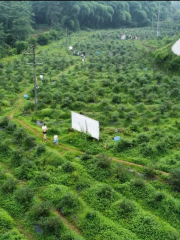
76	191
120	88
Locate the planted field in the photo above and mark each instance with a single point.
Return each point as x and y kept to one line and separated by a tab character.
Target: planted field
80	189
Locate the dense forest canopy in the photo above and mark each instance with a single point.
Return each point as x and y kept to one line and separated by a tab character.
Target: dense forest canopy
19	18
101	14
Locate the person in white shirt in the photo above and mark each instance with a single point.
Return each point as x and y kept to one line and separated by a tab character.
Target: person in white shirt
55	139
83	57
41	77
44	129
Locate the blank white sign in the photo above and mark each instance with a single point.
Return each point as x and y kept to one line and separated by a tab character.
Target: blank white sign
84	124
176	47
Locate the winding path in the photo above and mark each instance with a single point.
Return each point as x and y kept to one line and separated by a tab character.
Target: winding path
35	132
21	122
20	102
71	149
60	215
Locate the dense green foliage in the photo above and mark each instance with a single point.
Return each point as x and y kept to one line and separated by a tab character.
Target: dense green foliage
19	19
101	14
15	25
42	186
103	201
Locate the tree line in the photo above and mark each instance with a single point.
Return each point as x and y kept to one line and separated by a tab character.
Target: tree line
101	14
19	18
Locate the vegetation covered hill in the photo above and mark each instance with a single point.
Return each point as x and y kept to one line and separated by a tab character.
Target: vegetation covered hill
99	14
79	189
19	19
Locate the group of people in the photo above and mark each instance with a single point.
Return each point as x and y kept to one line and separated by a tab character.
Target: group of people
75	53
44	129
124	36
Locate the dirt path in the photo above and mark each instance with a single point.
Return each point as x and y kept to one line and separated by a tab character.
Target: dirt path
26	234
21	122
60	145
58	75
21	228
69	224
20	102
40	135
71	149
149	46
135	164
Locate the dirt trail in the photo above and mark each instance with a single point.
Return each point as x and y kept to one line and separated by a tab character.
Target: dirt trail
40	135
148	46
23	183
69	224
135	164
63	72
60	145
71	149
20	102
27	235
21	229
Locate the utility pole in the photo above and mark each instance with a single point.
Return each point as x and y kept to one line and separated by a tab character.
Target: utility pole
69	39
158	23
66	38
34	65
171	19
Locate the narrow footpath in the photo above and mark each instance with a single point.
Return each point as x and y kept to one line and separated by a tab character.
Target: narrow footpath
21	122
37	134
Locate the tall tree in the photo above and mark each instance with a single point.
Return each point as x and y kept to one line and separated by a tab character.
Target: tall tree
16	18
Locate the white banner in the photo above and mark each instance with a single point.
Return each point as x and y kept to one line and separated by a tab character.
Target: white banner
85	124
176	47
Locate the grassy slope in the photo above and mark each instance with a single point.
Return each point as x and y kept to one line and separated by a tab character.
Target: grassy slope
144	215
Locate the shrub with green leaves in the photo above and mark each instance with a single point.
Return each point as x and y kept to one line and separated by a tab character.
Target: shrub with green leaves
69	204
25	170
175	178
11	127
24	195
29	142
41	178
12	235
50	225
54	193
124	144
68	167
17	156
21	46
116	99
42	39
126	207
4	122
9	186
20	134
41	149
39	210
103	161
6	222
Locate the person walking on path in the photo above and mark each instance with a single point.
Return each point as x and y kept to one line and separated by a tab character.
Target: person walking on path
41	77
55	139
44	129
83	57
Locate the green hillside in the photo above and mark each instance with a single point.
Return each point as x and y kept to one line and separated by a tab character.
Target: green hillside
81	189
